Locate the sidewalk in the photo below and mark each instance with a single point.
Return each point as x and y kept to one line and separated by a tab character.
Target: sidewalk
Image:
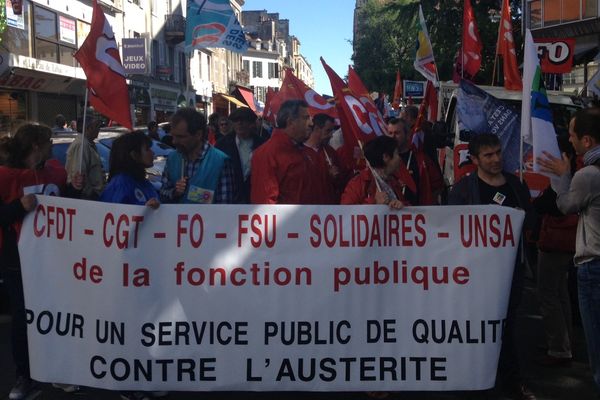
573	382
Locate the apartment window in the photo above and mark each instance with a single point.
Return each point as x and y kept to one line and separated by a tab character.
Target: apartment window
155	55
273	70
55	36
246	66
257	69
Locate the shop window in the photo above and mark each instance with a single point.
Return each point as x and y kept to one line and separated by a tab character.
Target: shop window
589	9
45	24
55	36
46	51
535	14
570	10
551	12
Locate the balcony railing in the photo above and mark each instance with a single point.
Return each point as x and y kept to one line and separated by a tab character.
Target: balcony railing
174	28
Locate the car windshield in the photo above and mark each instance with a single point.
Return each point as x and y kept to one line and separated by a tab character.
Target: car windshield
158	148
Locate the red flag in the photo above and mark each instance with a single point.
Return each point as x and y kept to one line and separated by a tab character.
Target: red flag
356	85
429	106
506	49
471	42
294	88
268	114
397	92
100	60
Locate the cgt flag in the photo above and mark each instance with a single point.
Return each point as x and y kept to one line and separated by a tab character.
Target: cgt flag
424	61
212	23
293	88
470	51
356	85
506	49
397	92
100	60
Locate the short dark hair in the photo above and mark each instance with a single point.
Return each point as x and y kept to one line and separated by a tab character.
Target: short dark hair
482	140
587	122
60	120
196	121
243	114
396	121
412	111
121	161
88	121
290	109
376	148
321	119
152	124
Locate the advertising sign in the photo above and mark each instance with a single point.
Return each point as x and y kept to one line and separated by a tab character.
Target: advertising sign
414	89
556	55
134	56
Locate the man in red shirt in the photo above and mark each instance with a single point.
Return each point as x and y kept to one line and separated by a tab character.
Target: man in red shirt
330	175
280	168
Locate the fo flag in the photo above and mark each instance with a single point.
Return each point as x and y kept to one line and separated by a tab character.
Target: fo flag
479	112
212	23
100	60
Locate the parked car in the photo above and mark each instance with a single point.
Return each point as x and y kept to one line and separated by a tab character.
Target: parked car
61	142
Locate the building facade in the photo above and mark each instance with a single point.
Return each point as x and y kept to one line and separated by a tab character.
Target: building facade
578	19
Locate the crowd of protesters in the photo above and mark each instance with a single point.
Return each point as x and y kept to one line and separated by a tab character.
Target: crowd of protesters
229	160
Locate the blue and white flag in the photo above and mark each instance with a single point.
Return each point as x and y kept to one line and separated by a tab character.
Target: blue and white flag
536	123
479	112
212	23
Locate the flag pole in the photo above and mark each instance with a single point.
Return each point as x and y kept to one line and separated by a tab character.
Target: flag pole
83	130
497	44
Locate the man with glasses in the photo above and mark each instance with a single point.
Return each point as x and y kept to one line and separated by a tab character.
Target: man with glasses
196	172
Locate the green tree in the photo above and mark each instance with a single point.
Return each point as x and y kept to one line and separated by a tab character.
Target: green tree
387	38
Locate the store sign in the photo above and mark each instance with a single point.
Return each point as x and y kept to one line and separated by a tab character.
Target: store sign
134	56
556	55
14	14
67	30
164	98
414	88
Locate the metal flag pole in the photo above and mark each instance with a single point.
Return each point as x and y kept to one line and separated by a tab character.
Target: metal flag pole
83	130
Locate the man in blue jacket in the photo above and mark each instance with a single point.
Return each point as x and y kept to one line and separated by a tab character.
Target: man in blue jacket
196	172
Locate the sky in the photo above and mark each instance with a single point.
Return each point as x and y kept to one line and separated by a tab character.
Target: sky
324	29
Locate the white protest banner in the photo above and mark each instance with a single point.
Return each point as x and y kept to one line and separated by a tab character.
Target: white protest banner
311	298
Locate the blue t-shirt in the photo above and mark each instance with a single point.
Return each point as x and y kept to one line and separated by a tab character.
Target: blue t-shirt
124	189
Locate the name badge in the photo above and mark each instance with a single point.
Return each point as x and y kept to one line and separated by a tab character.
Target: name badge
200	195
499	198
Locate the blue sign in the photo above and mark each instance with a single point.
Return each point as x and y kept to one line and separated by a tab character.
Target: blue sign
414	89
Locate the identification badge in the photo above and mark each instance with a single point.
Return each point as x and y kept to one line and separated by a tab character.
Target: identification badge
499	198
200	195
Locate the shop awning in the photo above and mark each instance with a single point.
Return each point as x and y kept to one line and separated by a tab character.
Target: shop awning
233	100
248	97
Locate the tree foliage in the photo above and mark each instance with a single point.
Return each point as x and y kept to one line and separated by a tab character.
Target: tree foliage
387	35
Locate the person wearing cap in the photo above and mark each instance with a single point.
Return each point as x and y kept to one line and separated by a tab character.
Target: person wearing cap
86	161
239	146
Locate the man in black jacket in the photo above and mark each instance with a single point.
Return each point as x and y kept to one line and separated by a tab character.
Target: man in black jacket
239	146
491	185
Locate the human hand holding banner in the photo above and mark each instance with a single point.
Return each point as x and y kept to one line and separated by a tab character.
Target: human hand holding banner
230	297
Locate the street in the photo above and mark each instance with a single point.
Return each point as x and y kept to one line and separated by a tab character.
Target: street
572	382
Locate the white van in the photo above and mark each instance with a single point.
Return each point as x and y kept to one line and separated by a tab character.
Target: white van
454	156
